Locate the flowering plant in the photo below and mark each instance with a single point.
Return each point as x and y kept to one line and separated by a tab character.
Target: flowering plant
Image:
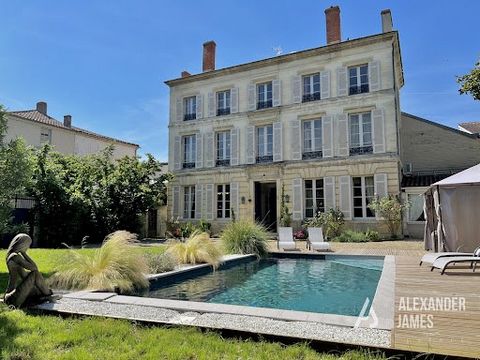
300	234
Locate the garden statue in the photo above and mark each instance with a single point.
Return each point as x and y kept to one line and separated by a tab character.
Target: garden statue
23	285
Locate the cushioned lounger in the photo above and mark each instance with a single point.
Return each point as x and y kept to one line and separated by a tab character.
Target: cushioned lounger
444	262
316	240
430	258
285	239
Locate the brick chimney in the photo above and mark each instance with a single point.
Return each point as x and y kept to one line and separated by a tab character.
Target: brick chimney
185	74
387	24
209	56
67	121
332	15
42	107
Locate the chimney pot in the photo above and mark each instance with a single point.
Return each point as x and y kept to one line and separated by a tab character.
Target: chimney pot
332	15
42	107
67	121
387	23
185	74
209	56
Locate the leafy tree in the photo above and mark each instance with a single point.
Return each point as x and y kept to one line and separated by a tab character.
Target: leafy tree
285	216
16	166
470	83
390	209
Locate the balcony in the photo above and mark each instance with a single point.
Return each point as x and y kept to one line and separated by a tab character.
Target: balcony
225	162
264	104
311	97
264	159
188	165
353	90
312	155
225	111
361	150
188	117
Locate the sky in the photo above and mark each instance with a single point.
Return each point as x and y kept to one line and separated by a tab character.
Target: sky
105	62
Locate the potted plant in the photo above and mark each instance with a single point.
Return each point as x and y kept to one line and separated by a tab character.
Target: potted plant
285	218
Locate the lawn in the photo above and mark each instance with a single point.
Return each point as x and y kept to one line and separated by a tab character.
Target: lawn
28	336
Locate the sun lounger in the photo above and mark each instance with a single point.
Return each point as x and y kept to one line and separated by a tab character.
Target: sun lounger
445	262
285	239
316	240
432	257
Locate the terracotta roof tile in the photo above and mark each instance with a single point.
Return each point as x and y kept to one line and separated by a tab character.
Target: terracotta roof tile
37	116
473	127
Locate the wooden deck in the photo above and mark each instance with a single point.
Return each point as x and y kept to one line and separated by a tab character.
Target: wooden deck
452	332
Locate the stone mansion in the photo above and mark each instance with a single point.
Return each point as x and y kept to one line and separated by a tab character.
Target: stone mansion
324	124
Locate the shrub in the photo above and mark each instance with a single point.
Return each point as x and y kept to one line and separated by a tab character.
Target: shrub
160	263
197	249
351	236
372	235
390	209
245	237
187	229
285	216
173	228
204	226
116	265
332	222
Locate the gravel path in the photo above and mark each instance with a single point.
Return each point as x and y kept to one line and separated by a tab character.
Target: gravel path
300	329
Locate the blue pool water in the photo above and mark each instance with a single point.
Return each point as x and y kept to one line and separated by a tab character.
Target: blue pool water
334	286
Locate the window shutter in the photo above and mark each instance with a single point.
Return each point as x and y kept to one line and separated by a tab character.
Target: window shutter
179	110
296	89
177	153
234	100
199	151
374	75
176	201
211	104
329	192
198	201
209	201
277	141
296	139
378	131
209	149
342	135
251	97
250	150
234	146
324	84
327	136
297	208
346	196
380	187
234	198
276	92
342	81
199	106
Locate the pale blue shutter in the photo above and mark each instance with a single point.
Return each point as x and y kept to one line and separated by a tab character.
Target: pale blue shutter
378	131
276	92
345	187
234	100
177	153
209	149
211	104
329	192
198	201
251	91
234	196
342	81
277	141
250	150
297	209
296	89
209	199
374	76
324	84
296	139
179	110
199	151
342	135
327	136
199	106
234	146
176	201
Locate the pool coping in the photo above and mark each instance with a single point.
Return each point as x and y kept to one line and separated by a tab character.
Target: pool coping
380	316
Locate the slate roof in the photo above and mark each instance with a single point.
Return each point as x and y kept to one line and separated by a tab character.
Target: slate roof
422	180
473	127
37	116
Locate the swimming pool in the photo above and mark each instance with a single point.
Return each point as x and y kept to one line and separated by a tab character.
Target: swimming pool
333	285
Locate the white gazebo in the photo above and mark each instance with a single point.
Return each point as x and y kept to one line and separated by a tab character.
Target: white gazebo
452	212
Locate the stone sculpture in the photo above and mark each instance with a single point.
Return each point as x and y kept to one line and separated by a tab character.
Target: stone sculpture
25	283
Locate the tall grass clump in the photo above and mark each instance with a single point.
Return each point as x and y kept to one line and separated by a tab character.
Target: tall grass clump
160	263
116	266
245	237
198	248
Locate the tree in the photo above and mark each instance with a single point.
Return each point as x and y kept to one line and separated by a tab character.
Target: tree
470	83
390	209
16	166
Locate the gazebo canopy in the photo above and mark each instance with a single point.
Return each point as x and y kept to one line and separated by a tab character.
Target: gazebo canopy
465	177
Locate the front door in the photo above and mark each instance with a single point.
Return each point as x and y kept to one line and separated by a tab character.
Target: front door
266	204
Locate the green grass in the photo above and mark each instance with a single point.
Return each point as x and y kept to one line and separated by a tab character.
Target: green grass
24	336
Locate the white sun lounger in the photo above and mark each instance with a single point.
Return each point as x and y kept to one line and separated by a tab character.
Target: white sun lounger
316	239
444	262
432	257
285	239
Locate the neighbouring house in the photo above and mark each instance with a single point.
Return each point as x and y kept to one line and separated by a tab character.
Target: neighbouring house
38	128
472	127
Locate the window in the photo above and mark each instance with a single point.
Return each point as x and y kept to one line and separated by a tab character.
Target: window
415	210
223	201
360	133
223	103
45	136
190	108
363	193
264	95
312	139
223	148
189	151
314	197
311	87
265	144
189	202
358	79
